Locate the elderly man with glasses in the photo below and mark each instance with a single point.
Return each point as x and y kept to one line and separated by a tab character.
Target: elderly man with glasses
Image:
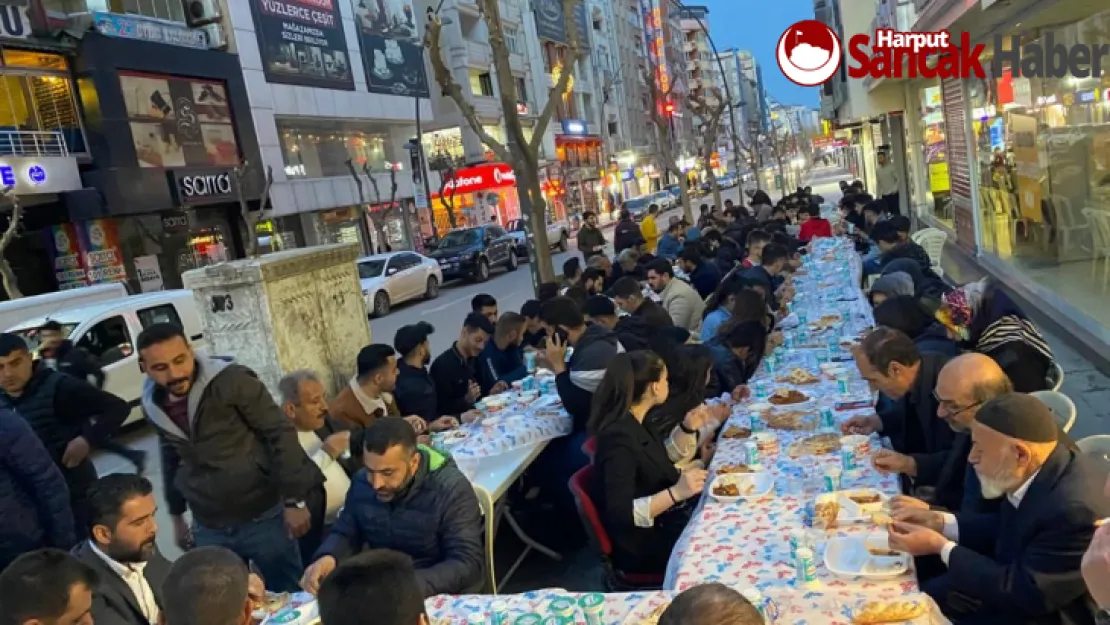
965	383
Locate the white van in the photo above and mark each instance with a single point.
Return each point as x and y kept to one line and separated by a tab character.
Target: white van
19	310
108	330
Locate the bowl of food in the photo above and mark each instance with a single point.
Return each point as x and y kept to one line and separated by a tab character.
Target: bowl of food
857	505
732	487
733	432
766	442
859	442
826	509
787	396
729	469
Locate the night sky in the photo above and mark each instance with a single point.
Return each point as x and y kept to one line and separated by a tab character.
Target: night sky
756	25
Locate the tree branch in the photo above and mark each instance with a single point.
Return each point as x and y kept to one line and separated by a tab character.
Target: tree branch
555	94
452	89
7	274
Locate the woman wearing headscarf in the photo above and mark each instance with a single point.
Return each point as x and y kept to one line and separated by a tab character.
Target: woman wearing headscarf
928	289
985	319
893	284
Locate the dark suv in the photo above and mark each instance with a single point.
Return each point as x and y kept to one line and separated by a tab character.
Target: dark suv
472	252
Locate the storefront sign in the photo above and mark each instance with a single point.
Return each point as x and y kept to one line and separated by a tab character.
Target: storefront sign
100	244
149	272
302	43
574	127
392	53
69	263
179	122
14	22
176	222
203	187
482	178
46	174
149	29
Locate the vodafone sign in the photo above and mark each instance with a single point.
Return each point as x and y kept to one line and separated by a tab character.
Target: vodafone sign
483	177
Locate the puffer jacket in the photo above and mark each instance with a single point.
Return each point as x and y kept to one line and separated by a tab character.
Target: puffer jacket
240	458
34	499
435	521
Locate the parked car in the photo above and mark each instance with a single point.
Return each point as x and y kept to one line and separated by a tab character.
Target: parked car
664	199
472	252
395	277
637	206
108	330
19	310
557	236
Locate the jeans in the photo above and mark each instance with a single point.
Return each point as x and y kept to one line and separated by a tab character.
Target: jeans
262	541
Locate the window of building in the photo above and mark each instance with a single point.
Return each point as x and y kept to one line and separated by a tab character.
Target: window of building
481	83
613	129
521	90
512	39
316	148
929	192
38	112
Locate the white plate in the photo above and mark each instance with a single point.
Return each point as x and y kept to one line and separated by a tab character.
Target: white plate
852	512
762	482
848	556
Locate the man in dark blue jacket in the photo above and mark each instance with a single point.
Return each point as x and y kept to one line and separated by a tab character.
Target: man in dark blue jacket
415	392
34	500
772	262
411	499
704	276
502	359
1021	565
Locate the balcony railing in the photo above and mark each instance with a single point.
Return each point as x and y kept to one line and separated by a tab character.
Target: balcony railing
32	143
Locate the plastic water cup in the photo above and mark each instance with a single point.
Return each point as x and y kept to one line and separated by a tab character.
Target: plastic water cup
832	479
751	454
849	461
843	383
805	570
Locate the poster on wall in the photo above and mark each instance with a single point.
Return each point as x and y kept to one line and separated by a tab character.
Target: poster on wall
69	263
100	243
149	272
550	24
179	122
302	43
392	52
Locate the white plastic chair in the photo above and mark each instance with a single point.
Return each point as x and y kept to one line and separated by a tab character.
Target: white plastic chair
1100	235
1096	447
1062	407
1055	377
932	239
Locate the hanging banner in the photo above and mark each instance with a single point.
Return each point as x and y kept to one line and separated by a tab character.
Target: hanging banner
69	264
392	53
103	260
302	43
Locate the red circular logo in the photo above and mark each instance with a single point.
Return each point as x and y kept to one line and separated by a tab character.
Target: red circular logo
809	53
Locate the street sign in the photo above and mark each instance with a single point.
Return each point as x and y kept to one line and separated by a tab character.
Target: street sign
420	197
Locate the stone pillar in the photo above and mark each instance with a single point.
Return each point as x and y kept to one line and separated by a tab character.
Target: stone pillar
295	309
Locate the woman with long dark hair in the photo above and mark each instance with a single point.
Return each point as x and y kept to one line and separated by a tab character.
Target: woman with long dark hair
641	495
690	374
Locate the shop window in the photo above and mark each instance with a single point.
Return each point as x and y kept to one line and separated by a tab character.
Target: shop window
930	193
108	340
36	99
321	148
166	313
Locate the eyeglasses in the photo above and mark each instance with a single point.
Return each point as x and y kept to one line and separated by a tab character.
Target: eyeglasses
953	409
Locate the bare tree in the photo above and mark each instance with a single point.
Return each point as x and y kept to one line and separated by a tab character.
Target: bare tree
445	165
664	133
7	274
779	145
519	152
239	175
387	208
711	110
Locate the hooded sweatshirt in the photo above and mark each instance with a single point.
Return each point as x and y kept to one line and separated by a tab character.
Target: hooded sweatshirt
894	284
576	386
237	456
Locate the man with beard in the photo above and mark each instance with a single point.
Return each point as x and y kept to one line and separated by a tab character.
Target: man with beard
1021	565
410	499
680	300
590	239
628	295
122	551
328	445
502	359
593	281
228	454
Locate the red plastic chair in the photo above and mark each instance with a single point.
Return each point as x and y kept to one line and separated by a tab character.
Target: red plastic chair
590	448
580	484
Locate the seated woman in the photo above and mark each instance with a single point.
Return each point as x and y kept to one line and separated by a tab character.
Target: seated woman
643	499
690	372
928	289
890	285
906	314
984	319
733	297
737	350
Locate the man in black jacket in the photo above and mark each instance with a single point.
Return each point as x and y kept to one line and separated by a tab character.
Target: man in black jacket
627	234
415	392
34	500
123	552
60	354
411	499
69	415
229	454
629	296
772	260
631	331
46	586
454	371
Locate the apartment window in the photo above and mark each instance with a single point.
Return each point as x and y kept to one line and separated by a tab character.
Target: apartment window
481	83
521	89
512	40
597	25
613	129
37	95
173	10
320	148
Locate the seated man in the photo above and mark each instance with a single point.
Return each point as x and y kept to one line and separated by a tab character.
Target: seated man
502	359
680	300
1020	565
772	263
629	296
369	395
631	330
710	604
210	586
534	335
411	499
454	372
416	390
578	377
47	587
122	551
737	350
373	588
486	305
704	276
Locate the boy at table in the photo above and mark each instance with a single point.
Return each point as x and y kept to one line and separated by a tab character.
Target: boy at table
411	499
377	587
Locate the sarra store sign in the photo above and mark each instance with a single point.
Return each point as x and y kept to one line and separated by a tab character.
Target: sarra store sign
204	187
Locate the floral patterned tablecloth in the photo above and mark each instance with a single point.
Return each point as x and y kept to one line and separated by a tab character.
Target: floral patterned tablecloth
512	427
629	608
